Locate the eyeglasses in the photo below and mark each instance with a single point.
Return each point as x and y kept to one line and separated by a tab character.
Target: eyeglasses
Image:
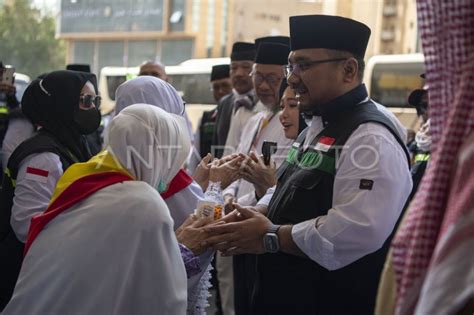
87	100
299	67
272	79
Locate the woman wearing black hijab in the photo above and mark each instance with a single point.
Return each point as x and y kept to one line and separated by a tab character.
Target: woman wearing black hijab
64	107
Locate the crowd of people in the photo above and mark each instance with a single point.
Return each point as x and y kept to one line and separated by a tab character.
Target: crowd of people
309	198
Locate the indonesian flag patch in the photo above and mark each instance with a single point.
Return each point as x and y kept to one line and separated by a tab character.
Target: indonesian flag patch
324	144
37	174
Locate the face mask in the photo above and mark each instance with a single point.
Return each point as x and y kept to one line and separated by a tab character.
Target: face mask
87	120
162	187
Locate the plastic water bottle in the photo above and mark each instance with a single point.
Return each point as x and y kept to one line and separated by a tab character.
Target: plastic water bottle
213	203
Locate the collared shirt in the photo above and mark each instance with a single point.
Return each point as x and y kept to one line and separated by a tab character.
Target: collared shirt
237	124
253	136
360	220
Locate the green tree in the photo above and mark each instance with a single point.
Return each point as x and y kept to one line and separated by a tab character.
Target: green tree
27	39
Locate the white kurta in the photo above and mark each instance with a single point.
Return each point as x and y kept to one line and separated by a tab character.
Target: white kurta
360	220
252	139
237	123
109	254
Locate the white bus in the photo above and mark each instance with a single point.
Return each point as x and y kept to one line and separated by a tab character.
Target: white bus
391	78
21	83
190	79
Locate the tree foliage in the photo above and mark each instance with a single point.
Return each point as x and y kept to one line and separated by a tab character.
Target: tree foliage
27	39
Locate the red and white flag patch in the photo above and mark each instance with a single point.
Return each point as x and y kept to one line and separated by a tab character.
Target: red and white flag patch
324	144
37	174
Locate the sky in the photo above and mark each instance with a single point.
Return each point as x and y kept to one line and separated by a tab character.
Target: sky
50	6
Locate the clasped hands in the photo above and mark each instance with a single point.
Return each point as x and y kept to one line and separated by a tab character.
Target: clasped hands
233	167
241	231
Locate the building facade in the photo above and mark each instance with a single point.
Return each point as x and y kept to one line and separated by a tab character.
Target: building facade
393	22
128	32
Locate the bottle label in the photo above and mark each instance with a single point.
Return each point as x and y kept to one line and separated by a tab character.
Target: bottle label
207	209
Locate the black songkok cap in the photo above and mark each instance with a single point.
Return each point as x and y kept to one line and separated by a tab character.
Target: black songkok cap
285	40
219	72
79	67
272	54
243	51
329	32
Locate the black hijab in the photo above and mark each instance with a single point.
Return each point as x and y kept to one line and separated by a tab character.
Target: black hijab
302	123
51	102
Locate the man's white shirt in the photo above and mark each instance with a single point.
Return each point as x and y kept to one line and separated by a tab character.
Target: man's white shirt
252	139
360	220
239	119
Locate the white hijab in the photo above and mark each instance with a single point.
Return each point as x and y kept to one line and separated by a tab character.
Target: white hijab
151	143
114	252
149	90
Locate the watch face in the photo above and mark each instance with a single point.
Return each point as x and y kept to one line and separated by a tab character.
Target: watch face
270	243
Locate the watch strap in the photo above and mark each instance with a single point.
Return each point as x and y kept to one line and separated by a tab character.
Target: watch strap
273	228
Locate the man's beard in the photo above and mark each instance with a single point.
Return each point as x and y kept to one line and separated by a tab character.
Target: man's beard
309	109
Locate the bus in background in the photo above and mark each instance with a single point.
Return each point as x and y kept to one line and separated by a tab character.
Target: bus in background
21	83
391	78
190	78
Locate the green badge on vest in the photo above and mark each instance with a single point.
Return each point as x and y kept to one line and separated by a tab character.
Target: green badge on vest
312	160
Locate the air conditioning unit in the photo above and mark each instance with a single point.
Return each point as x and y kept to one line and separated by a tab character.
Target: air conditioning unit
387	35
389	10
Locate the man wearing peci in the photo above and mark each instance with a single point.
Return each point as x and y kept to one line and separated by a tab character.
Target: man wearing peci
234	110
324	234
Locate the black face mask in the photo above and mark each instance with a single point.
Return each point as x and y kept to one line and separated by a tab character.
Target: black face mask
87	120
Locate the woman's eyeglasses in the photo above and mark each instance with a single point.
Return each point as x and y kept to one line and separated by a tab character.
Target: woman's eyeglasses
87	101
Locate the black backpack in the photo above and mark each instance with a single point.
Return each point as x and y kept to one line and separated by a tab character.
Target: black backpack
11	249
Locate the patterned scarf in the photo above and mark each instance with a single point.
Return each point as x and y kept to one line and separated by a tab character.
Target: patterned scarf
447	33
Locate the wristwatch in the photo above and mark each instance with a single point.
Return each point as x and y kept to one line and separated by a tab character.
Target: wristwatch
270	239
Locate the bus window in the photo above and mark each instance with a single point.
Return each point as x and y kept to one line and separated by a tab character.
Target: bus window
391	78
195	88
391	83
190	79
113	82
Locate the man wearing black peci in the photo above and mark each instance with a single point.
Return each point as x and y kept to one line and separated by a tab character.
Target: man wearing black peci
323	235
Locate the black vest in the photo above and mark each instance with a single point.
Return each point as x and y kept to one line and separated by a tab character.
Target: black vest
287	284
11	249
206	132
225	107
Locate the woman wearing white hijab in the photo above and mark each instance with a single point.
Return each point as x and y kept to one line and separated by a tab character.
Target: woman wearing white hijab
183	193
106	243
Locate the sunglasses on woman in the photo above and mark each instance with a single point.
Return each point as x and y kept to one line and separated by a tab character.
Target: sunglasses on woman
87	101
